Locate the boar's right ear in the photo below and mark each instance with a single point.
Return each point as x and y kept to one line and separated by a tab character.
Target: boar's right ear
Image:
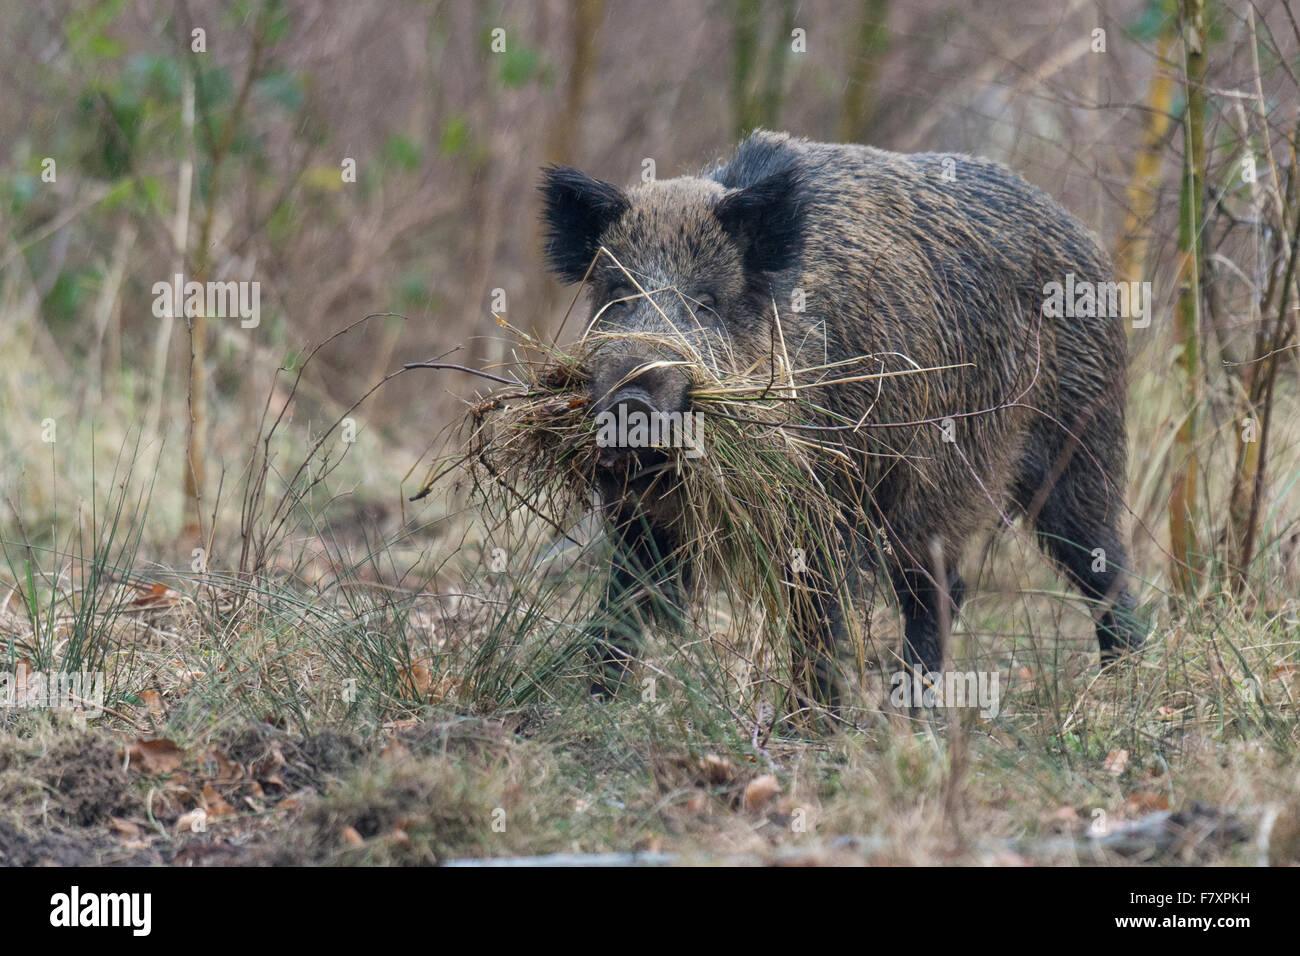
767	220
577	210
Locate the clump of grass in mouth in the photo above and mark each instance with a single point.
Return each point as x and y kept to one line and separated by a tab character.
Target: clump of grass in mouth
757	512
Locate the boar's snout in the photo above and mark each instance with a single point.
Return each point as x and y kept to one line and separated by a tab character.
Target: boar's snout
634	400
631	405
655	390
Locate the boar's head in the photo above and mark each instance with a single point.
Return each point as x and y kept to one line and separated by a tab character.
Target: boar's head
680	273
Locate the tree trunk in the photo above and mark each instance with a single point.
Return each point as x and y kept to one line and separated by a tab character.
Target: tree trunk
1134	241
1183	506
860	93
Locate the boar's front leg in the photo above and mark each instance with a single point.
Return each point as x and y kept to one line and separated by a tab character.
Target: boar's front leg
818	631
818	587
643	585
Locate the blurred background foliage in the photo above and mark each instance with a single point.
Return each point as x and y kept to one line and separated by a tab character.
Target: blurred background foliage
448	108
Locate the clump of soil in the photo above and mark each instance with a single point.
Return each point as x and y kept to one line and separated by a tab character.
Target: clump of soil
59	790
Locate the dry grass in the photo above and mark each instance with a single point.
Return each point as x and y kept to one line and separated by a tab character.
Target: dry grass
379	698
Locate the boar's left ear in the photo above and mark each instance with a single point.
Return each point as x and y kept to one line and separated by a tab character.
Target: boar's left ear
767	220
576	210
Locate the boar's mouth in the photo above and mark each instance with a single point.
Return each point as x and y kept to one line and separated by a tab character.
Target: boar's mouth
629	463
622	450
638	411
632	474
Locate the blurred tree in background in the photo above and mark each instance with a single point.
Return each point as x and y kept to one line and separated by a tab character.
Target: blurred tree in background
381	158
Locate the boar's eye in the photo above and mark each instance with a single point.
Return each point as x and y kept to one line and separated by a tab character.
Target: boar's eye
621	298
704	303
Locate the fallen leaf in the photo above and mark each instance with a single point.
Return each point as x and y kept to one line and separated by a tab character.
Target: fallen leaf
760	792
214	803
152	757
415	680
351	837
1146	801
157	596
153	700
227	770
196	821
716	771
1115	762
125	827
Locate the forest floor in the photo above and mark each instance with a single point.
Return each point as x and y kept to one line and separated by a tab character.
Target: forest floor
337	712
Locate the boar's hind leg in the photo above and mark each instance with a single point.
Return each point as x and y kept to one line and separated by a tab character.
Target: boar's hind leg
1078	527
642	584
926	607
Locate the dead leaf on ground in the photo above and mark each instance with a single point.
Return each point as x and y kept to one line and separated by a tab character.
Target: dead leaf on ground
214	803
156	597
1115	762
124	827
1145	801
222	769
152	757
760	792
295	801
196	821
153	700
716	771
415	680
